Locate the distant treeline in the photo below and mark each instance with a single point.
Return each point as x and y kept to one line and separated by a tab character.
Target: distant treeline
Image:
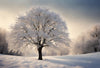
87	42
4	44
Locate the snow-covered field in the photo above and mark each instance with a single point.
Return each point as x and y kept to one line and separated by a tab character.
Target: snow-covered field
80	61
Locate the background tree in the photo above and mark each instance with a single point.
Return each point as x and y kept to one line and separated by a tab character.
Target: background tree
3	42
95	34
88	42
40	27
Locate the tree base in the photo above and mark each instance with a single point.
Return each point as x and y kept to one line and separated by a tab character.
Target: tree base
40	53
40	59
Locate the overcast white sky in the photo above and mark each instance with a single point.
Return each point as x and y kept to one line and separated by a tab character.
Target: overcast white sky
79	15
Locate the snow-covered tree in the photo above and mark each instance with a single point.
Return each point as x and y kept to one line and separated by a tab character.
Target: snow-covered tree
40	27
95	34
88	42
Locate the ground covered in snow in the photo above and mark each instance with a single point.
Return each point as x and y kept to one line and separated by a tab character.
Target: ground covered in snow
80	61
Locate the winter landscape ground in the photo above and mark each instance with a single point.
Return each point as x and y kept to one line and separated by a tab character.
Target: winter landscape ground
49	33
91	60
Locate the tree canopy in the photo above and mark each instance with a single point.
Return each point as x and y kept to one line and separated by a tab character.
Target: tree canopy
40	27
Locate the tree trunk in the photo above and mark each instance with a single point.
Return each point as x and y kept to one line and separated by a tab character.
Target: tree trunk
40	53
95	49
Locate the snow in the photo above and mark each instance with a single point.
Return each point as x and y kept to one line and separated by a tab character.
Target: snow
91	60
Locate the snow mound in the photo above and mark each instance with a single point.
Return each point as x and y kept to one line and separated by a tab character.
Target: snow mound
78	61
